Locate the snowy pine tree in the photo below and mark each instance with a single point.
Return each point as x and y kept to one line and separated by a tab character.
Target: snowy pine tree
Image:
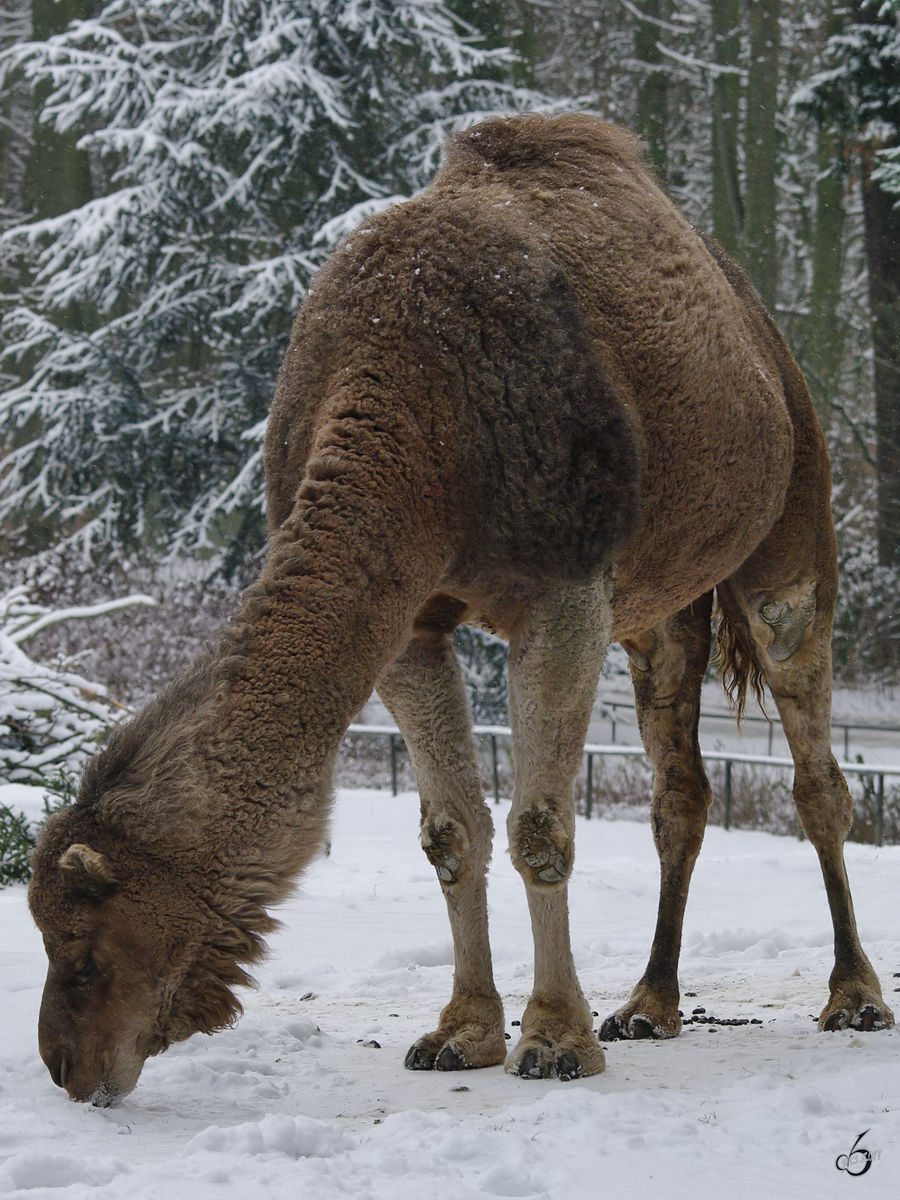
861	91
236	141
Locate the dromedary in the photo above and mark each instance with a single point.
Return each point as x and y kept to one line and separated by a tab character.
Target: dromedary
532	398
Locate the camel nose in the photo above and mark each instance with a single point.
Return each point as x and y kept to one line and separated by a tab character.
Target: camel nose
60	1066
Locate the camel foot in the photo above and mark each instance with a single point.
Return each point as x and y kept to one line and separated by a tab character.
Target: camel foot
851	1010
616	1028
462	1050
571	1057
470	1035
644	1016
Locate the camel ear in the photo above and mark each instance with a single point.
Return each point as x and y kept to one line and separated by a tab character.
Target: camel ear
87	870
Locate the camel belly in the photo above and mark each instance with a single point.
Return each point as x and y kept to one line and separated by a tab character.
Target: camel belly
699	524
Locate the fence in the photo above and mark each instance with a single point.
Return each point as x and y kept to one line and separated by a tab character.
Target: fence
610	707
874	771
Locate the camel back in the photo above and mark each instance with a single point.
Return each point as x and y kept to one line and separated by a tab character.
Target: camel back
572	379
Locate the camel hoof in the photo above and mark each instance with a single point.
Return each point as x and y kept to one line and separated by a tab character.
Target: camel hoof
840	1019
567	1066
456	1050
867	1019
535	1065
419	1058
532	1065
451	1059
615	1029
564	1062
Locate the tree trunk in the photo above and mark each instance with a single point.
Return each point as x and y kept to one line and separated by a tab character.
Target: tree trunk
825	344
524	42
727	208
15	114
882	221
760	250
653	89
825	339
59	176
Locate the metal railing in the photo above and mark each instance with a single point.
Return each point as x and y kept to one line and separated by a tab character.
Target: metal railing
874	771
392	732
608	711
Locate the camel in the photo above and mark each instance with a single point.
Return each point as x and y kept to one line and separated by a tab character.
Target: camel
532	398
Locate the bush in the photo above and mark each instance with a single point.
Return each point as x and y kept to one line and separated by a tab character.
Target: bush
16	843
52	720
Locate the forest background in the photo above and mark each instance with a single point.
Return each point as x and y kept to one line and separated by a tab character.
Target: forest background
173	172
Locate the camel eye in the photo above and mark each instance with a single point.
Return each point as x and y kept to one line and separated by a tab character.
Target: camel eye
86	974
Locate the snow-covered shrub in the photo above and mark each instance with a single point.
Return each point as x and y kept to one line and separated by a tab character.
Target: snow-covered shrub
866	644
17	840
51	720
51	717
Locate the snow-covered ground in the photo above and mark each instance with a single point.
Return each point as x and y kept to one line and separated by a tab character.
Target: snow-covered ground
300	1101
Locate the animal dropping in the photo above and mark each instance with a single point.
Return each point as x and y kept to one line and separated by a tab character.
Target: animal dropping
533	398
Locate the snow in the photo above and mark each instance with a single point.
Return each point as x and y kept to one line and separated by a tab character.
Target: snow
26	800
307	1096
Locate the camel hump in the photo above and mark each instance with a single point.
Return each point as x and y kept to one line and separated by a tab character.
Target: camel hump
534	142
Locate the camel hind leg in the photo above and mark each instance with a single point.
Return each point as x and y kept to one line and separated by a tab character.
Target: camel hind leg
667	667
783	627
423	691
554	667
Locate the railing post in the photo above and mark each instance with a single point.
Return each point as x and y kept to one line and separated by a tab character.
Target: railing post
771	732
612	722
496	772
879	813
589	789
727	820
393	764
846	743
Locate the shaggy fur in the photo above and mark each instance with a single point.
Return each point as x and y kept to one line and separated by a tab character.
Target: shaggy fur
535	398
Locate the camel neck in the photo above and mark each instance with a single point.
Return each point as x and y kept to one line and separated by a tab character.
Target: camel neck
302	657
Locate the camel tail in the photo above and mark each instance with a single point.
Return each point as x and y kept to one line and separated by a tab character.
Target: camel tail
737	667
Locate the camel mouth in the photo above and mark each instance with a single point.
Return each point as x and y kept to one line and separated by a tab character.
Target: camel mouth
104	1096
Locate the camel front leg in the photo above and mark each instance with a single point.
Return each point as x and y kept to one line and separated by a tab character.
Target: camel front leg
423	691
555	661
667	668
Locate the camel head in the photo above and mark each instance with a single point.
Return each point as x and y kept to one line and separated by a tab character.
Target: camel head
140	955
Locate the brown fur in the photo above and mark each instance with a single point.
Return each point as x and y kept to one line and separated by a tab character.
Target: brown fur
532	397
